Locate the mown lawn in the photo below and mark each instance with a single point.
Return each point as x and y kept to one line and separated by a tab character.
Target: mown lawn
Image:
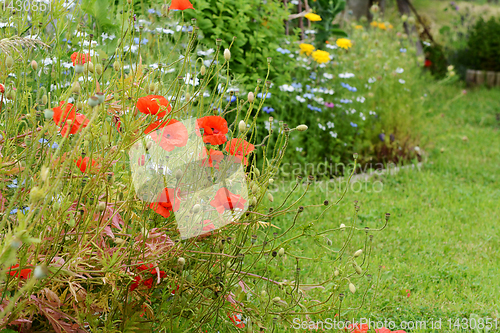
439	254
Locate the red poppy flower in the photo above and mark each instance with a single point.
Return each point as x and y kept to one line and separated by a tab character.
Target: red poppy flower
159	124
148	283
162	273
142	160
152	104
168	201
144	267
134	285
24	273
225	200
74	126
214	129
213	156
83	162
170	136
209	226
357	328
239	148
60	115
181	5
428	63
80	58
237	320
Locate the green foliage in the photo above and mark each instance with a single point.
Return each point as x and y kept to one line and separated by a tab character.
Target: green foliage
257	28
484	45
328	10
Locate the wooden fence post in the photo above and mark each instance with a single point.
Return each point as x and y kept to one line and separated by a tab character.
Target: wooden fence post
470	77
490	79
479	77
498	79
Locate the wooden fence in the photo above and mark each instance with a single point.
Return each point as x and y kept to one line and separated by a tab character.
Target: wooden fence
477	78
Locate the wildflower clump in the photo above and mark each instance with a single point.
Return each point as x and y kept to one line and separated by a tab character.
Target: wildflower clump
344	43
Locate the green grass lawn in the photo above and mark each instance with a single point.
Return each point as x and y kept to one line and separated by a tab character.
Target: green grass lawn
439	254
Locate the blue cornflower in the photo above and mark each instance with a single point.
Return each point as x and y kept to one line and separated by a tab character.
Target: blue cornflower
381	136
267	109
14	183
309	96
297	85
345	101
23	210
348	87
55	145
402	50
42	141
312	76
143	41
268	95
151	11
308	87
282	51
231	99
353	124
314	108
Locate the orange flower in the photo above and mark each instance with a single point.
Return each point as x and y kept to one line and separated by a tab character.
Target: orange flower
159	124
181	5
61	118
209	226
225	200
24	273
80	58
214	129
82	163
239	148
213	156
168	201
152	104
172	134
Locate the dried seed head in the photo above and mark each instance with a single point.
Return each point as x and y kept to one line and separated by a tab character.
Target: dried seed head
274	253
387	216
325	202
93	101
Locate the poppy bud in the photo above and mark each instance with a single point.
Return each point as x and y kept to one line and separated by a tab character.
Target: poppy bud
329	242
117	66
255	189
79	68
342	226
44	173
302	128
188	97
357	253
149	145
36	194
98	69
40	272
11	94
352	288
281	252
256	171
276	299
203	70
196	208
34	65
178	174
44	99
181	261
75	88
101	206
254	201
93	101
151	87
242	126
9	61
251	97
357	269
48	113
227	54
90	67
270	197
336	272
100	97
2	88
271	180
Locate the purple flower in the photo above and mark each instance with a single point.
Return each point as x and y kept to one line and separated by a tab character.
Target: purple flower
329	105
381	136
392	137
353	124
267	109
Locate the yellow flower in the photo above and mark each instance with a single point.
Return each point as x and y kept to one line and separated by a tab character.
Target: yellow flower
374	23
306	48
382	26
321	56
358	27
391	26
344	43
313	17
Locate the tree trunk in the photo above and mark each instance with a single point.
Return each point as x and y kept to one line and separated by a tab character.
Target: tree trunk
411	31
359	8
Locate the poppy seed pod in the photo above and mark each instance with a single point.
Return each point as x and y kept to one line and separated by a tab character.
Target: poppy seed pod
281	252
270	197
336	272
117	66
357	253
44	173
93	101
203	70
34	65
271	180
9	61
79	68
352	288
100	97
242	126
251	97
302	128
227	54
181	261
44	99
